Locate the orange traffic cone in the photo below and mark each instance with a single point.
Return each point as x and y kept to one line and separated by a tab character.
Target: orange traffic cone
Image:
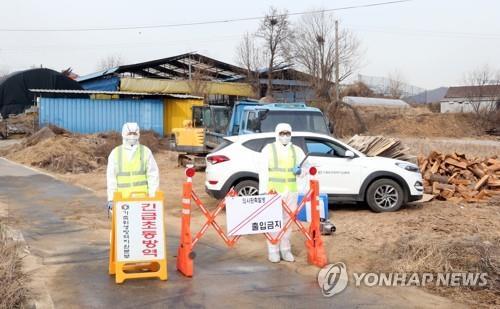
185	255
315	250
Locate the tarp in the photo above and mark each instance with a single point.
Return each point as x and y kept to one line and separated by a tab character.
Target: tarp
152	85
15	96
104	84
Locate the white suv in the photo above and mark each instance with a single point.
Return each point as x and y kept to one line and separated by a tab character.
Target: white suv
344	173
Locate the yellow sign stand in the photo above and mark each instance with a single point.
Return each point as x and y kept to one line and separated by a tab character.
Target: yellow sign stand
138	248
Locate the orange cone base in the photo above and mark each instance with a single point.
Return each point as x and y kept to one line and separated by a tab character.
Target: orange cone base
316	255
184	262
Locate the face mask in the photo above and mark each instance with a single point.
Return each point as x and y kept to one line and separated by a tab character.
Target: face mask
131	140
284	140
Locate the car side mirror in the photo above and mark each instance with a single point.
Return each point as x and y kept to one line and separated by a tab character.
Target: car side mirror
349	154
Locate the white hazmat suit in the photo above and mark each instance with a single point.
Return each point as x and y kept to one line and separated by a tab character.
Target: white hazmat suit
130	135
283	147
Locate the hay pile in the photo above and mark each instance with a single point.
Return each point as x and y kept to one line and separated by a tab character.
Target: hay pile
59	151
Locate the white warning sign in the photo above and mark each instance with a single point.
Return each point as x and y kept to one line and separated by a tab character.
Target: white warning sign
254	214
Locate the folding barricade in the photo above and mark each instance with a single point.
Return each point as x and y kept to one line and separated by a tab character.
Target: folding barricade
138	248
315	250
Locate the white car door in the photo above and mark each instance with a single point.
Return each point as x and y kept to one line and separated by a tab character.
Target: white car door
336	173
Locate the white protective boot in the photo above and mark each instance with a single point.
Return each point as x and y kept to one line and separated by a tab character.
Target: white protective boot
273	253
286	248
285	245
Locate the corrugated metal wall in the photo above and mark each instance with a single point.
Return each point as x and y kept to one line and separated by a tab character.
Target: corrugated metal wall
91	116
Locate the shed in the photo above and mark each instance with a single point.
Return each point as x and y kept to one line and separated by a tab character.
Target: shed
467	99
382	102
91	115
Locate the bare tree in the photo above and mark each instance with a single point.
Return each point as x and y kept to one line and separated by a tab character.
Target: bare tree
249	56
274	30
483	93
109	62
198	82
396	87
314	50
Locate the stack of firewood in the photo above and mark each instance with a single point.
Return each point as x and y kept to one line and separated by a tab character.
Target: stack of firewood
380	146
454	177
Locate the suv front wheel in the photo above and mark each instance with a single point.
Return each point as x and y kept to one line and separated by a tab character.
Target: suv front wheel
384	195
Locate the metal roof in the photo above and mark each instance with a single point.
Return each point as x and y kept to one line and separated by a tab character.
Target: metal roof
473	91
176	67
62	91
96	74
364	101
68	91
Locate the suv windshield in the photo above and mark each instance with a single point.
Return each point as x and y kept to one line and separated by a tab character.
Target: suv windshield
303	121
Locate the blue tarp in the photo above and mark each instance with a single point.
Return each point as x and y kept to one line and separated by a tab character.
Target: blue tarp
104	84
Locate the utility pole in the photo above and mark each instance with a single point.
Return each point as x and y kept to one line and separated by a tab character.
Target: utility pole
337	94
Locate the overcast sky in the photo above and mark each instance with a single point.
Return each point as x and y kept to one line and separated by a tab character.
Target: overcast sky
431	43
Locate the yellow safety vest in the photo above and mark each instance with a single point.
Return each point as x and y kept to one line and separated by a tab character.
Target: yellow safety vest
281	176
131	175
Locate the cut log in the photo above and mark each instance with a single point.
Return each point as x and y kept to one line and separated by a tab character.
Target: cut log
481	182
438	178
423	166
435	167
465	182
477	171
494	168
492	192
442	186
456	163
492	161
447	194
494	183
481	195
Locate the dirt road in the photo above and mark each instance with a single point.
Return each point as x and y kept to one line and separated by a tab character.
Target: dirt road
72	256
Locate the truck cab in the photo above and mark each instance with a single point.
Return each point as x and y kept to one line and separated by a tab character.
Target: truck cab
264	118
248	117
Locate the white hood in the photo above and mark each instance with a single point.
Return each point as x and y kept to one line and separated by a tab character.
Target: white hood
130	140
285	140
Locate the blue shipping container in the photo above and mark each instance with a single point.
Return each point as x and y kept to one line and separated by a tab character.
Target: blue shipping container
91	116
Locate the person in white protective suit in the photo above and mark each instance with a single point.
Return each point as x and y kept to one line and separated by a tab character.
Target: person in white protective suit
131	167
279	172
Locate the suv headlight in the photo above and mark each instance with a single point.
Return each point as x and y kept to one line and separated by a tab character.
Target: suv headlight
408	166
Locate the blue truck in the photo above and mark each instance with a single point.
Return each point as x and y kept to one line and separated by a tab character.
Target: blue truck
247	117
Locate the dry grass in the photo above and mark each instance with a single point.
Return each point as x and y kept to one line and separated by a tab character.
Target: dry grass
472	148
59	151
13	290
420	253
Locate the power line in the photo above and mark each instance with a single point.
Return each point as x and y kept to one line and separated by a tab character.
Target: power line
198	23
